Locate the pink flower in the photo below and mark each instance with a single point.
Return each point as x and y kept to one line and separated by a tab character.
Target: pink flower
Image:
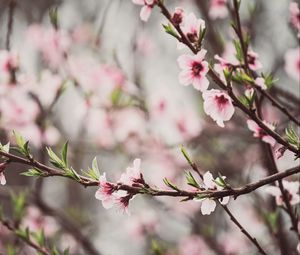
291	188
253	61
122	201
295	15
218	106
191	27
218	9
194	69
208	205
105	192
177	16
260	133
260	82
292	63
133	174
146	9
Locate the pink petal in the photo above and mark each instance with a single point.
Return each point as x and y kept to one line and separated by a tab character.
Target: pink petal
185	77
145	13
208	180
200	83
2	179
269	139
185	61
139	2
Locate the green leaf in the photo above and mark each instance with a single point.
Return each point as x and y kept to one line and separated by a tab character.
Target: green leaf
170	30
93	172
292	136
115	96
169	184
19	201
33	172
191	180
64	154
39	236
186	155
53	15
5	147
238	50
269	79
23	146
55	160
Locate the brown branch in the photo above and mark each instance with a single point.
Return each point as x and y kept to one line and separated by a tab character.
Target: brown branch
235	192
244	231
11	9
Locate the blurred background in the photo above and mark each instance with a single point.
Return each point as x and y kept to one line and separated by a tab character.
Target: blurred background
108	83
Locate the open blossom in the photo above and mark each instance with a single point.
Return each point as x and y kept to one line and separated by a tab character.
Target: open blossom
253	62
146	9
218	9
105	192
218	106
260	82
260	133
133	174
295	16
208	205
194	68
292	63
292	190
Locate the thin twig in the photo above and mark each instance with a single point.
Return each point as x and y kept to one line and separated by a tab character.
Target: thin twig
244	231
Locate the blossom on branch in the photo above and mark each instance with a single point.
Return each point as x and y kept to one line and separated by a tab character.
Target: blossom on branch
291	189
208	205
194	70
105	192
146	9
218	105
260	133
253	62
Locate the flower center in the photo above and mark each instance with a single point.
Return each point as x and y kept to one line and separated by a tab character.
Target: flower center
197	68
192	36
221	100
251	59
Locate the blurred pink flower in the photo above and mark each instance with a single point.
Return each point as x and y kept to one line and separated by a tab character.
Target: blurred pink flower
253	62
133	174
295	16
218	9
194	68
292	63
193	245
52	43
292	190
146	9
36	221
51	136
122	201
218	106
260	133
105	192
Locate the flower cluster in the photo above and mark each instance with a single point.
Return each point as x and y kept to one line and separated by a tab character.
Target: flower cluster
109	193
260	133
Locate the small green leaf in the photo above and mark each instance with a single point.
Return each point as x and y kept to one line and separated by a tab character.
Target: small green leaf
170	30
64	154
53	15
169	184
191	180
33	172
